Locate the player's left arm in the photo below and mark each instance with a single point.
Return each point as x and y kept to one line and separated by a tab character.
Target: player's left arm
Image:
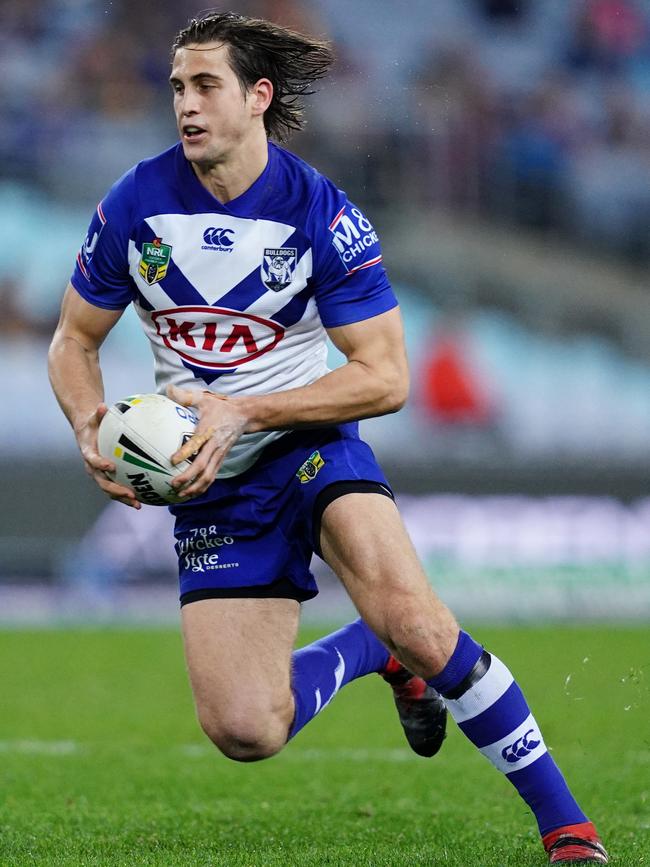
373	382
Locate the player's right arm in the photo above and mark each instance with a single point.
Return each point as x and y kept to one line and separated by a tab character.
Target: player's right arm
75	374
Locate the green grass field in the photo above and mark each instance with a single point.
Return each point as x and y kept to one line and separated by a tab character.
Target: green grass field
102	762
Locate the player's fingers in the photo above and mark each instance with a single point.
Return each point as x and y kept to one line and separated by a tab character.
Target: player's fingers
108	486
127	501
195	471
117	492
220	457
197	479
97	462
198	485
184	396
193	446
201	482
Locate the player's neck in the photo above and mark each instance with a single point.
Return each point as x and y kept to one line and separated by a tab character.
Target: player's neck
232	176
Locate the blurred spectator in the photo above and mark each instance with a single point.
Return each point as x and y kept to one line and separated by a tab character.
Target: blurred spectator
453	118
532	154
451	391
298	15
503	10
607	34
24	20
611	178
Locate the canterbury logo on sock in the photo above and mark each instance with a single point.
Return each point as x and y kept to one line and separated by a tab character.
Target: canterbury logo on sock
521	748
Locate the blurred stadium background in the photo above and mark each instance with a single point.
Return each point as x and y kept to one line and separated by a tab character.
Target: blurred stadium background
502	150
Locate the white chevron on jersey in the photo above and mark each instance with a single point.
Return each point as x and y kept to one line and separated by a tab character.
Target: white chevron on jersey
215	273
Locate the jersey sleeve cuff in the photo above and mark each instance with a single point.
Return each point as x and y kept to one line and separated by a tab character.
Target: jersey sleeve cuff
90	294
367	311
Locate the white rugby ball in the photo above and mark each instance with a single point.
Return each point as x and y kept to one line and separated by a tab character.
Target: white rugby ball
139	435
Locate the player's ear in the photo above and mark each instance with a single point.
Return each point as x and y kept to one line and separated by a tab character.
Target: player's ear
261	94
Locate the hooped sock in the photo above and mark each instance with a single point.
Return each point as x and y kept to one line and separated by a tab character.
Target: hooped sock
484	699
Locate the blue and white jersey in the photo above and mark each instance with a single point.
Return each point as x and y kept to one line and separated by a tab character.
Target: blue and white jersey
234	297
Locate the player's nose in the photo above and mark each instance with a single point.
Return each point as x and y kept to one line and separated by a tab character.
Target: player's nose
189	104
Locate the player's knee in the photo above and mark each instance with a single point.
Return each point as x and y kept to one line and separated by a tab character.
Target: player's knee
242	746
246	738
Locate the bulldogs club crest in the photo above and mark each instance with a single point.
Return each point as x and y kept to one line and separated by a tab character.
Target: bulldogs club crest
154	261
278	267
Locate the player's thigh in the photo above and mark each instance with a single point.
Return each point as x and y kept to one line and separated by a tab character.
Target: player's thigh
238	654
365	542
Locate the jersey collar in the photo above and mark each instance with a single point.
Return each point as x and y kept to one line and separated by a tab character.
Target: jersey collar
249	204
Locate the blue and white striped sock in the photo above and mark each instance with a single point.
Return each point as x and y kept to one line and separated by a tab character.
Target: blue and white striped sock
484	699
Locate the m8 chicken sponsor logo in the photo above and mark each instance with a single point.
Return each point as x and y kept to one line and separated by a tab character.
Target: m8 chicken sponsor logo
352	236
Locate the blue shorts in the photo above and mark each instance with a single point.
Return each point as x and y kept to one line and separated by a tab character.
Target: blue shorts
254	534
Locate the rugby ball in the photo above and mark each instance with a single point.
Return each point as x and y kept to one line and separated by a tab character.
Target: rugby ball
139	435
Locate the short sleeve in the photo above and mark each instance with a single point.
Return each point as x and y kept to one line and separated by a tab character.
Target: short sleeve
350	283
101	274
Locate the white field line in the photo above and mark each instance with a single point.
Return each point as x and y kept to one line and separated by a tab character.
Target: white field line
392	756
397	755
41	748
293	754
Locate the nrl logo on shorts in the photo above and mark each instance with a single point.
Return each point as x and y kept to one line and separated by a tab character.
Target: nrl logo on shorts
154	261
278	267
309	469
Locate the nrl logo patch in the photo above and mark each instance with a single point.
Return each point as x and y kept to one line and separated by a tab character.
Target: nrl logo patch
310	468
278	267
154	261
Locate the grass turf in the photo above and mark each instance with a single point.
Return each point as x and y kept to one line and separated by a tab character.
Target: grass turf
102	763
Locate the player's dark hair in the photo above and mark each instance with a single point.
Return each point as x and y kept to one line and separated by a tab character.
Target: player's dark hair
261	49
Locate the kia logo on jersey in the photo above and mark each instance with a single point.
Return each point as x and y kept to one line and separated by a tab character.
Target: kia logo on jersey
215	337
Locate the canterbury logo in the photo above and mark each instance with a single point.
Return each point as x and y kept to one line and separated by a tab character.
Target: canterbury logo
218	237
521	748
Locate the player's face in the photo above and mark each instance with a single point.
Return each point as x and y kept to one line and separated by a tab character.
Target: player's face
213	114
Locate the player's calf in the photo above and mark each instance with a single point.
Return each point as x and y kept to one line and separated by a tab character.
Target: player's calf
417	628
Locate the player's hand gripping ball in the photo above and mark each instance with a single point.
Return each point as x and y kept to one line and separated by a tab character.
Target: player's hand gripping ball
139	435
